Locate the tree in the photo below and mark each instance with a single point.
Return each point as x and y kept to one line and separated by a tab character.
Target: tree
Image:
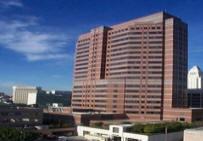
13	134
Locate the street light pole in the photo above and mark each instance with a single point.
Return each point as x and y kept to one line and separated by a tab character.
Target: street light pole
166	133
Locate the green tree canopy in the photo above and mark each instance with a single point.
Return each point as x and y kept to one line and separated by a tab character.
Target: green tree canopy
13	134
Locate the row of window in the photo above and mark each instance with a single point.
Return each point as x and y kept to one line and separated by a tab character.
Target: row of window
81	68
135	47
132	77
80	77
148	91
136	67
133	72
142	112
81	64
134	38
136	33
97	86
135	52
135	62
128	57
137	42
136	57
82	52
82	56
83	40
137	27
83	44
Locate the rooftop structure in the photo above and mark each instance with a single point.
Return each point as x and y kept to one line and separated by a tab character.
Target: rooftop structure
121	133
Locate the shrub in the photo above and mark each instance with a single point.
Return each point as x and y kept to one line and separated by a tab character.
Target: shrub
136	128
154	128
159	127
12	134
174	127
98	124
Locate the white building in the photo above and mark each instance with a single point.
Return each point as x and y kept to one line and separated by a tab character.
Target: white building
118	133
195	78
195	134
25	95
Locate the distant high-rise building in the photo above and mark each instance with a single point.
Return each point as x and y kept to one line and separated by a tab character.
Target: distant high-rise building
137	67
195	87
195	80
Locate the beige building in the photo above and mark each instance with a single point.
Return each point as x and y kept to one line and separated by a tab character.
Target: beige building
25	95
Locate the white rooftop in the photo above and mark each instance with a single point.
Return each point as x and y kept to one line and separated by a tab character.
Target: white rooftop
195	130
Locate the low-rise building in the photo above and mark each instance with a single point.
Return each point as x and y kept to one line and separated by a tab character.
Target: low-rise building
57	116
195	134
37	96
119	133
57	108
13	116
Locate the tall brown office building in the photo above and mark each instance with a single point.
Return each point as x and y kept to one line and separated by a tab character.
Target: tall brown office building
137	67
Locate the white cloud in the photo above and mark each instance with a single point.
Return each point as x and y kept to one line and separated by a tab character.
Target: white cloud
34	45
9	3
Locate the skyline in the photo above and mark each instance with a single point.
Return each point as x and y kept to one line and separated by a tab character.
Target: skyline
38	40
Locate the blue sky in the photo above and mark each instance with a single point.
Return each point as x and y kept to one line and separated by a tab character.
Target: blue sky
37	37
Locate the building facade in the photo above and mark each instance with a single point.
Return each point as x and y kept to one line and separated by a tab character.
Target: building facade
195	98
25	95
137	67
